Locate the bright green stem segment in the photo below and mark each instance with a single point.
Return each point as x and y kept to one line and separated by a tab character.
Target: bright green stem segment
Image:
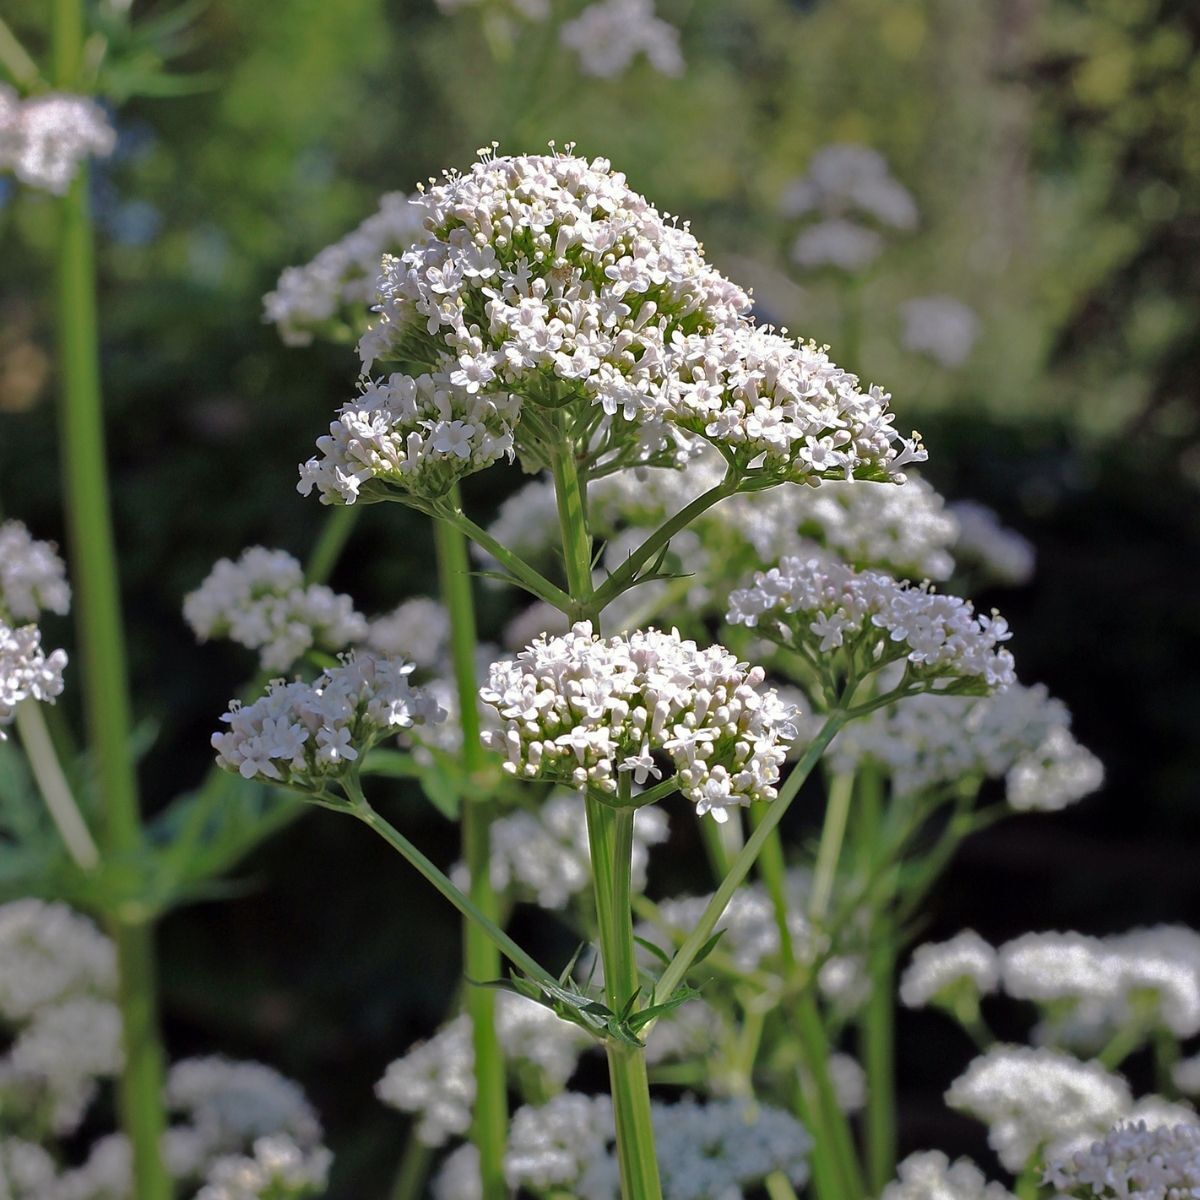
103	677
572	522
610	840
833	833
877	1028
331	541
481	959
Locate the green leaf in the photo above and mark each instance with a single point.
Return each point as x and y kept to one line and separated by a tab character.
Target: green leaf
652	1012
658	952
707	948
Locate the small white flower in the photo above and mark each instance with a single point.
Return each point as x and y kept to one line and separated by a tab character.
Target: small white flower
33	578
938	969
26	672
44	139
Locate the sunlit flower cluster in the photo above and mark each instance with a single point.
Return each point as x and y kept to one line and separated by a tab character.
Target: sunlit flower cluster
1133	1162
584	711
1021	735
44	139
306	735
33	578
608	35
940	970
939	327
26	671
930	1175
334	292
1032	1100
824	606
276	1169
261	601
417	630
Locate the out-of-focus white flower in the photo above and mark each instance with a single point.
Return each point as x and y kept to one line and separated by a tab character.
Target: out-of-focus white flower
939	327
32	576
262	602
838	243
530	10
304	735
436	1078
26	672
44	139
1032	1099
417	630
339	286
939	970
847	178
1132	1162
458	1176
930	1175
584	710
999	554
279	1169
1021	734
609	34
824	605
27	1172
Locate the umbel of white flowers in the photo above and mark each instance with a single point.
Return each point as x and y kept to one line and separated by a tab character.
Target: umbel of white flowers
542	281
585	711
26	671
45	138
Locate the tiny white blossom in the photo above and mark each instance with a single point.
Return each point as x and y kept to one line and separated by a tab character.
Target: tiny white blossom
847	178
33	578
609	34
930	1175
44	139
939	969
940	327
26	671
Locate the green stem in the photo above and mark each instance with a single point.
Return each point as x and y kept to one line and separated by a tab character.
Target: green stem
773	870
1028	1183
833	833
52	783
572	521
461	901
779	1187
610	840
877	1025
331	541
413	1171
481	959
101	638
1122	1044
681	963
15	58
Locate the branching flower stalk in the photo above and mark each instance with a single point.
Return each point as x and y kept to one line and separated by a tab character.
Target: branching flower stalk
106	690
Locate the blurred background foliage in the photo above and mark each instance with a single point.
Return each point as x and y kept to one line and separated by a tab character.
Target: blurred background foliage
1053	148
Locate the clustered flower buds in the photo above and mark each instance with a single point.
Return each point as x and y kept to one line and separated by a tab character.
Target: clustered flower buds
305	735
609	34
1132	1162
45	138
26	672
582	710
932	1176
989	548
262	602
33	579
940	971
825	606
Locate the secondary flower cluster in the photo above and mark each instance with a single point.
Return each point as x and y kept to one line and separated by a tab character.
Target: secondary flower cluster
986	546
305	735
26	671
1021	735
334	292
1133	1162
583	710
940	327
33	578
262	602
609	34
930	1175
545	279
45	138
823	606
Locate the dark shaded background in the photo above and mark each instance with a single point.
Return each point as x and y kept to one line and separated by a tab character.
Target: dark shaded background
1054	149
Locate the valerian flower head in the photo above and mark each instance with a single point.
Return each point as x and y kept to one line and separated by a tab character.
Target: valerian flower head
262	602
822	607
277	1169
609	34
1033	1099
44	139
940	971
989	549
585	711
930	1175
847	178
417	630
33	578
939	327
1132	1162
26	671
334	293
307	735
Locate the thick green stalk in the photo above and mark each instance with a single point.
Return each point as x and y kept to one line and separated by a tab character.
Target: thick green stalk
572	521
481	959
877	1025
330	543
104	679
610	840
829	851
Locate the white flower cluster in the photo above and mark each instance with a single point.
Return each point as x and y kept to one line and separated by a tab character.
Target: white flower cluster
337	289
417	630
609	34
277	1169
32	576
941	328
846	185
262	602
930	1175
1034	1099
826	605
706	1151
1092	987
1021	734
940	970
542	854
1133	1162
45	138
583	710
436	1078
26	1170
984	545
304	735
26	671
